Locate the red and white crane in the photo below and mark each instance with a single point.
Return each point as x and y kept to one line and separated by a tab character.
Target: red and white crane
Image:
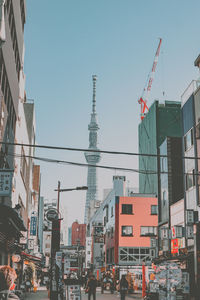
146	91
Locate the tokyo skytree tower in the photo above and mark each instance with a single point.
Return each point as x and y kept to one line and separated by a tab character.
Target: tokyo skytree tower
92	158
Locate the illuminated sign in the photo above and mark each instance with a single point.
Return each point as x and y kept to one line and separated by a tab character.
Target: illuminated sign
174	246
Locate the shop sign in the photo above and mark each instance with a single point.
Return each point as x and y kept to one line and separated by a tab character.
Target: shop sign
66	270
174	246
52	214
74	292
30	244
33	225
16	258
23	238
5	182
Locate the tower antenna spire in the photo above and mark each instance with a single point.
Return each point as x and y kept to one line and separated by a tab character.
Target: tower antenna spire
94	78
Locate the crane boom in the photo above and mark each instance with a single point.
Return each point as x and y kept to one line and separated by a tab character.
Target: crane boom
144	98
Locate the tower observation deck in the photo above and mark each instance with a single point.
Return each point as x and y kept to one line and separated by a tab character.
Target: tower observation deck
92	158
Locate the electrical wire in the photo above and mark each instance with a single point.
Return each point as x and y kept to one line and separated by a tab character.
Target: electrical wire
96	150
50	160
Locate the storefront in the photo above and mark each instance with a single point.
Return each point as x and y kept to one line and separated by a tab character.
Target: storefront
173	276
11	226
32	268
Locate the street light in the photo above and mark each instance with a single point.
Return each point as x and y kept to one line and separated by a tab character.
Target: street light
59	190
55	239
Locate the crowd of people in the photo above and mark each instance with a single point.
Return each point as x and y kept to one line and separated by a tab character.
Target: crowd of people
8	277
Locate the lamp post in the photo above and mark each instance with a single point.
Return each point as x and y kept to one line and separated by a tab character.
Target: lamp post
55	244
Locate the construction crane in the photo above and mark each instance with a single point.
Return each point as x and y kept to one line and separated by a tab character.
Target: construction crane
146	91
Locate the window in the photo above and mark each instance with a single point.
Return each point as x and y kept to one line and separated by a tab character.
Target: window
127	209
153	243
188	140
154	209
164	197
189	178
23	165
111	211
127	230
148	230
134	255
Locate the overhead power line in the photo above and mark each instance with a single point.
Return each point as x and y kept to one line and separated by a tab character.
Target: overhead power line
96	151
64	162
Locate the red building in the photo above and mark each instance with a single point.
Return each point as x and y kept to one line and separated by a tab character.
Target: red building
131	230
78	234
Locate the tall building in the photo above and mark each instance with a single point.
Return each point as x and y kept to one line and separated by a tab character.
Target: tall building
161	121
92	158
12	20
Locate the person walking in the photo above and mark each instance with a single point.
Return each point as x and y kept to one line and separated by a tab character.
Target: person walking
123	287
91	287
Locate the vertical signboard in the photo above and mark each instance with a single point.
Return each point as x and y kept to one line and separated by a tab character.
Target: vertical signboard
66	270
5	182
55	247
33	225
73	292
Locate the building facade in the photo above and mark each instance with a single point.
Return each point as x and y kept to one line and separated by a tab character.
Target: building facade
170	186
78	234
161	121
129	239
12	20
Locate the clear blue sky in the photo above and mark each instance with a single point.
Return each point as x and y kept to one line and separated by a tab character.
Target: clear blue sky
66	42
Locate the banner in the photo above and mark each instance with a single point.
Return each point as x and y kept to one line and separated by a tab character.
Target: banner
33	225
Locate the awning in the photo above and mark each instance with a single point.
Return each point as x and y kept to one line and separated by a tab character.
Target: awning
182	257
31	257
9	216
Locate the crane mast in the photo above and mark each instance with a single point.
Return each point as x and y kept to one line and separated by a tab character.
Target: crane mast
146	91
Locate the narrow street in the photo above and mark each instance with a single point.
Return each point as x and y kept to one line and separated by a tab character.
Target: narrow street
109	296
42	294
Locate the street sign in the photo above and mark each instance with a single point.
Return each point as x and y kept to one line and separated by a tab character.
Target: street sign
52	214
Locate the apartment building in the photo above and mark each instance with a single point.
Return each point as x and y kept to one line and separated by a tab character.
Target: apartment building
12	20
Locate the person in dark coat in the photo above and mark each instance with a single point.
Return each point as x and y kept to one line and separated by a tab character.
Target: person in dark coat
123	287
91	286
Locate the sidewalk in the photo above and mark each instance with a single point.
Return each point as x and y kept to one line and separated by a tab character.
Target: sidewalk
40	294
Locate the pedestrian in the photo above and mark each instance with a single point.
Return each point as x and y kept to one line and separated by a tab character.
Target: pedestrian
91	287
123	287
7	285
